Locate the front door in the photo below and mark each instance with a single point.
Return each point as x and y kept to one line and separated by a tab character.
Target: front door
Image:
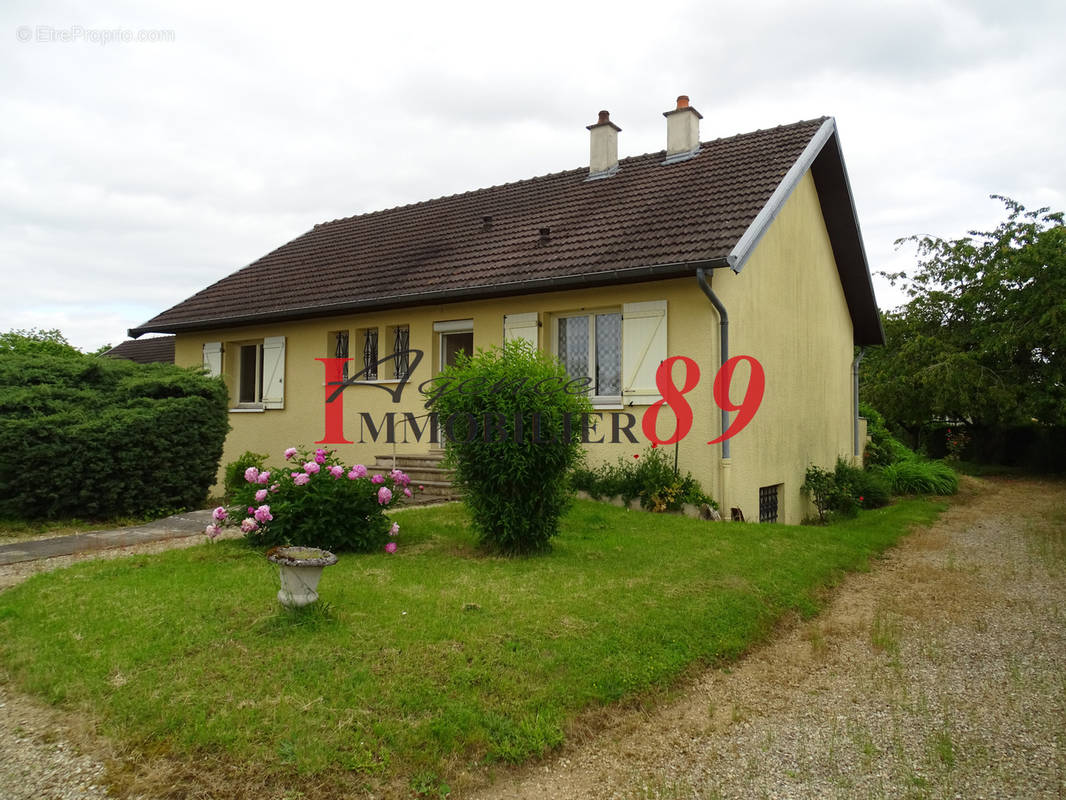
455	337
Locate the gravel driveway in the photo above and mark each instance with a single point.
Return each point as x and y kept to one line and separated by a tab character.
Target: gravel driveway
940	674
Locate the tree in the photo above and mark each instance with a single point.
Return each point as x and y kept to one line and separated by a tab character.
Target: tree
983	337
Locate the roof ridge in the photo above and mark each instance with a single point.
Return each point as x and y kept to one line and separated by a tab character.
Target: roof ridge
521	181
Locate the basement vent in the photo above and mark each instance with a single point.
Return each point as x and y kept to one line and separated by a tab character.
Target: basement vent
768	502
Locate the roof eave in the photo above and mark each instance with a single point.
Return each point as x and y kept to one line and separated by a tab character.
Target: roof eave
482	292
824	158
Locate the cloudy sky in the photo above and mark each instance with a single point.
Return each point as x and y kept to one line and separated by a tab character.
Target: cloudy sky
149	149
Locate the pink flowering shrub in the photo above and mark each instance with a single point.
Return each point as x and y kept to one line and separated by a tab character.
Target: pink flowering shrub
319	502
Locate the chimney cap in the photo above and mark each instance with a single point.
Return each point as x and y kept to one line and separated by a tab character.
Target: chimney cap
682	105
605	119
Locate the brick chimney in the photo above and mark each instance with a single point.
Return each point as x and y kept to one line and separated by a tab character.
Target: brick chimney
603	147
682	131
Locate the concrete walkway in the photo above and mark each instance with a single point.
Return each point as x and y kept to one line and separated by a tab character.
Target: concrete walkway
191	523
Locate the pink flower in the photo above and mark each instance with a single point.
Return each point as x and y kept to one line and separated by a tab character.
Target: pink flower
336	472
421	488
219	514
390	547
251	509
301	478
400	477
293	474
264	477
251	474
358	471
212	531
248	525
321	452
320	459
275	487
261	495
395	529
263	514
406	492
377	479
311	468
290	453
384	495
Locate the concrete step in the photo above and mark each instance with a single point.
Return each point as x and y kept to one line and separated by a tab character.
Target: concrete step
407	461
416	474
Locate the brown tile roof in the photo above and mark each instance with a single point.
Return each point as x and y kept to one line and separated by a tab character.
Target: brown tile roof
145	351
648	220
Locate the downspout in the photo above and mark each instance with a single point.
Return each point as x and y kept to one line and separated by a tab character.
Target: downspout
855	399
723	317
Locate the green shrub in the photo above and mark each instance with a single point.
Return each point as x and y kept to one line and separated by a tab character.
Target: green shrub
90	437
315	501
648	476
917	476
516	489
235	470
883	448
871	488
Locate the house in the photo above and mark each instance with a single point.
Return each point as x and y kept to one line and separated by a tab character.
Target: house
155	349
748	245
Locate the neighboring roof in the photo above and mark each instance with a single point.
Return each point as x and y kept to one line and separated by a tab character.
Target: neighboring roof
647	221
145	351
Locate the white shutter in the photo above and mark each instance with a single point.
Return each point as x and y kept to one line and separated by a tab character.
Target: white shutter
643	350
521	326
213	358
274	372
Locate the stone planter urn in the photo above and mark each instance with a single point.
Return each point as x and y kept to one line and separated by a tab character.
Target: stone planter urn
300	569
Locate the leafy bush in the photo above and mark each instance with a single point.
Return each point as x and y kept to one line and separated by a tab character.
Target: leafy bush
90	437
883	448
917	476
317	502
649	477
831	491
234	472
516	489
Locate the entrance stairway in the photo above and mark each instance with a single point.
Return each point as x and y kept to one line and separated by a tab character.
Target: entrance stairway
425	470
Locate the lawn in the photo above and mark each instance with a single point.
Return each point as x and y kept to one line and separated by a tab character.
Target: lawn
429	662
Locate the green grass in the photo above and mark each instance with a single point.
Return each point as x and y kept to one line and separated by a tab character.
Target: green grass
424	662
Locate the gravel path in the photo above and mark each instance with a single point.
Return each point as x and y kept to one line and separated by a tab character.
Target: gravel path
940	674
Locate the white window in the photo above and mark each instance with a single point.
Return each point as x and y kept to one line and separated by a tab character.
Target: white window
250	374
590	345
619	351
259	376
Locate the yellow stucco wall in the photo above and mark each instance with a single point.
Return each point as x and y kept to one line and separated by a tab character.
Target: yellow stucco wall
786	309
689	326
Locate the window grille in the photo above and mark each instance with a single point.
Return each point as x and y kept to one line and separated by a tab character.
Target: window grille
370	355
399	351
341	350
768	503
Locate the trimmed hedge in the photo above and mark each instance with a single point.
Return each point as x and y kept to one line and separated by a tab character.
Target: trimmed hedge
87	436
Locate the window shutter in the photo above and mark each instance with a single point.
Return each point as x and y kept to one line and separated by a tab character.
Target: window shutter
643	350
521	326
274	372
213	358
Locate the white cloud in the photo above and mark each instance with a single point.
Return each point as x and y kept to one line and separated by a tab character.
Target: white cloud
133	174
